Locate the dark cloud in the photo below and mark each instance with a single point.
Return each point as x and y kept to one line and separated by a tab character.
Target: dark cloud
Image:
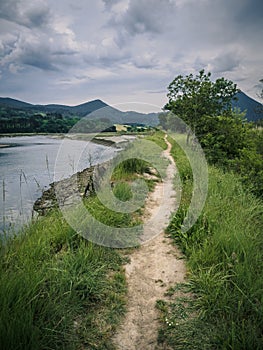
34	37
250	12
226	62
109	3
25	13
145	16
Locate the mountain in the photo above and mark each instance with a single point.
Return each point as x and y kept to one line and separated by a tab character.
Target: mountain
12	103
254	109
117	117
98	109
79	110
89	107
95	109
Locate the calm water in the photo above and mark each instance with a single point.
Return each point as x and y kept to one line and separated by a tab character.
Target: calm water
27	168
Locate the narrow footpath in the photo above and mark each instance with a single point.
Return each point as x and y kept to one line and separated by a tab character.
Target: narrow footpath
152	269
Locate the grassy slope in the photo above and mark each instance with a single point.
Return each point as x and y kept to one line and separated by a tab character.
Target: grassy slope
225	261
59	291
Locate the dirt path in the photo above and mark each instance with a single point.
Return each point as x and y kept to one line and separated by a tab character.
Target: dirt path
153	268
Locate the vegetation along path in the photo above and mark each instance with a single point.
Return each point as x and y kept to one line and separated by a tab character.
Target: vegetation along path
152	269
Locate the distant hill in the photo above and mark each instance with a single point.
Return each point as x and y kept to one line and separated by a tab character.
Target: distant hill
12	103
95	109
254	109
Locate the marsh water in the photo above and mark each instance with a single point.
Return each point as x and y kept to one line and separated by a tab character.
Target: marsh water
27	167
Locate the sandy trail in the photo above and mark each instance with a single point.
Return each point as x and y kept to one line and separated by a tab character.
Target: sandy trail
153	268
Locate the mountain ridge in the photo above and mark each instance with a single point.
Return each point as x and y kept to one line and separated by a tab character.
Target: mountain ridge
100	109
253	108
95	109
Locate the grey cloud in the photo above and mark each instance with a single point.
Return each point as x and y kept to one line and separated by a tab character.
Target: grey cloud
226	62
35	51
38	16
125	47
37	55
109	3
24	13
38	60
7	44
33	39
145	16
145	61
199	64
162	91
250	12
65	52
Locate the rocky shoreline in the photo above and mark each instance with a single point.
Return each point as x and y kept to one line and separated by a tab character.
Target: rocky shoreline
80	183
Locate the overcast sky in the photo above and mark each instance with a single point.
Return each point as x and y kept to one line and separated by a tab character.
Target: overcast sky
122	51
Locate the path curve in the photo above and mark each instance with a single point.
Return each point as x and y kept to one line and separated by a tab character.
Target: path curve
152	269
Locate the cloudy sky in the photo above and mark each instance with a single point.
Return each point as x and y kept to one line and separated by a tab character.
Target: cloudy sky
123	51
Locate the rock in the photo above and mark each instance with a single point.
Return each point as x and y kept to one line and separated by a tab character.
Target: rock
81	184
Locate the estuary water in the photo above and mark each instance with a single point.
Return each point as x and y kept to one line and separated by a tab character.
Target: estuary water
27	167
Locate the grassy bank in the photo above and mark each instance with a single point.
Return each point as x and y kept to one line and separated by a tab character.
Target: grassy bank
221	307
59	291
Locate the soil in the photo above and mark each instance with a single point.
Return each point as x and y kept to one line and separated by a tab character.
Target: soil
154	267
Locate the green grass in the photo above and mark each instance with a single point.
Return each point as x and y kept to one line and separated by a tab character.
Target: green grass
130	168
58	291
158	138
225	262
122	191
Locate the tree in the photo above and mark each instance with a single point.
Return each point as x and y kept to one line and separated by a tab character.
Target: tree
191	98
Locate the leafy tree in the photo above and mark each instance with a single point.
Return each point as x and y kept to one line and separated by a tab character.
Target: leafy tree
191	97
226	138
223	137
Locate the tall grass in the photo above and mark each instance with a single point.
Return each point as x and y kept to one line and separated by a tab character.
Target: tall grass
58	291
158	138
130	168
122	191
225	261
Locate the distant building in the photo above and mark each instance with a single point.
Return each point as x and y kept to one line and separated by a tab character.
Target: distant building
123	128
129	127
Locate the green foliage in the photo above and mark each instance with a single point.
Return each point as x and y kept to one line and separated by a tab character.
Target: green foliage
28	122
226	138
58	291
193	97
223	137
250	162
87	125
